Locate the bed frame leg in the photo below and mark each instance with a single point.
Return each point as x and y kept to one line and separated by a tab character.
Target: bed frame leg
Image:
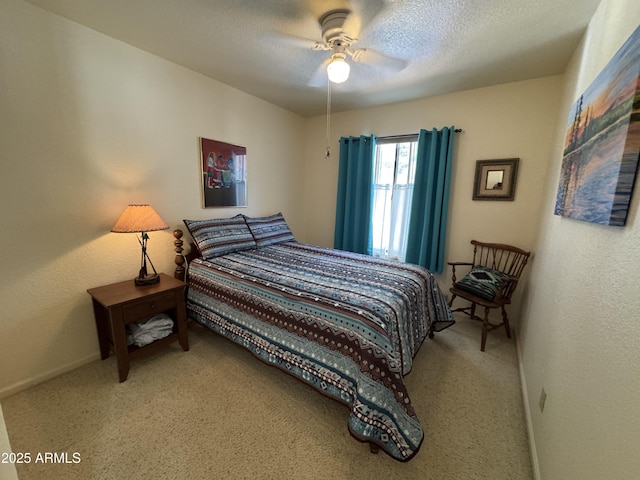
373	448
431	332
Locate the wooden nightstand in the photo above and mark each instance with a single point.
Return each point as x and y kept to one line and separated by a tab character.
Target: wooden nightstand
119	304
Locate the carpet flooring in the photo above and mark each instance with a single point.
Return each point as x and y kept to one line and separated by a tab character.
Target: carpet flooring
216	412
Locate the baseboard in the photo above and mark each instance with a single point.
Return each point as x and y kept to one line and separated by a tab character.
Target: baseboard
527	411
30	382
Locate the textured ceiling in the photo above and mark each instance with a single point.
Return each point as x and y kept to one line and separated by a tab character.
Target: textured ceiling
263	47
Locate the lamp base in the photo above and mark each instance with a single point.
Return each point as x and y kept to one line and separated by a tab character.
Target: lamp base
147	280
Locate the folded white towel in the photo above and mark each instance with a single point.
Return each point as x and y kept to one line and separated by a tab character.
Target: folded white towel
159	321
155	328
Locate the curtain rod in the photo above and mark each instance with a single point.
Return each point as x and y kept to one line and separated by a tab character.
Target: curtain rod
395	137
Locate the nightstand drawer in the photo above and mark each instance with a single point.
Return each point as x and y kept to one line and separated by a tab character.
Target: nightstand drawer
149	306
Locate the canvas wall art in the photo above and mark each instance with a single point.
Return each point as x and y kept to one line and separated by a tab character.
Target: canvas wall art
224	174
602	143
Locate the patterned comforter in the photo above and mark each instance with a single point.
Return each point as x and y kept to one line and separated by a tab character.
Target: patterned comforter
347	324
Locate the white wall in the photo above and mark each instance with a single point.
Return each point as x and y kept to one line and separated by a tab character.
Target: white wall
580	334
88	125
504	121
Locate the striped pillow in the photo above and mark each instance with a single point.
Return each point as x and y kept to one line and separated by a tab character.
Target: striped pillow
218	236
270	230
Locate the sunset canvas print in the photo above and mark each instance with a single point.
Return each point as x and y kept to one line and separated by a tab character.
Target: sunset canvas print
602	143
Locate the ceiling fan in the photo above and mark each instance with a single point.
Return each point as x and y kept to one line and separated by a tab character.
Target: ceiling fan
340	30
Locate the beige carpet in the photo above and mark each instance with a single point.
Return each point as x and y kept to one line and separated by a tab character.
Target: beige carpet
216	412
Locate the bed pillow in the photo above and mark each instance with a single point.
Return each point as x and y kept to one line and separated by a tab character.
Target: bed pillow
218	236
482	281
269	230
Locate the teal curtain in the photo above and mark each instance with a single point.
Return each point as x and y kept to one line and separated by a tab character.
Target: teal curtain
353	208
429	207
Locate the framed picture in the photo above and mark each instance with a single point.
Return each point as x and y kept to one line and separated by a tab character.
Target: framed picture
602	143
495	179
224	174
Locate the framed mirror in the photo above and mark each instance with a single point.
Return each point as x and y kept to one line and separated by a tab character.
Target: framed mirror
495	179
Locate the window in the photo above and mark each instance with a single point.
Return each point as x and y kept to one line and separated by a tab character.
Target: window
394	173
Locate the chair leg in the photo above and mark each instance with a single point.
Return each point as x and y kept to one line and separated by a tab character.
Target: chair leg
505	320
485	328
453	297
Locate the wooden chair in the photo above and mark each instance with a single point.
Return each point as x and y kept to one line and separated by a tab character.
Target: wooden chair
492	279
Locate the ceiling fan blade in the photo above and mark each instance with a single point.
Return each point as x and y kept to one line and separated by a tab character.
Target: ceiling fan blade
371	57
352	25
362	16
319	77
295	41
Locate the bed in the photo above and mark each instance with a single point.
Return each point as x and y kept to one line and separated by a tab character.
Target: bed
347	324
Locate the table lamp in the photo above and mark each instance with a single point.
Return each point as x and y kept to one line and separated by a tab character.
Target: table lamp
141	219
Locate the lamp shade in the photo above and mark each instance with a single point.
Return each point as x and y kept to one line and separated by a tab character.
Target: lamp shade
139	218
338	69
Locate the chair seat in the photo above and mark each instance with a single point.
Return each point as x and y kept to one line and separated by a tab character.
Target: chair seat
479	300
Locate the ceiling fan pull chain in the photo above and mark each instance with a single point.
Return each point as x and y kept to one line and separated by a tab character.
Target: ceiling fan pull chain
328	152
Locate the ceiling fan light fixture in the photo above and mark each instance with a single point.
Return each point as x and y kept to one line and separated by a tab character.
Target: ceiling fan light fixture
338	69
